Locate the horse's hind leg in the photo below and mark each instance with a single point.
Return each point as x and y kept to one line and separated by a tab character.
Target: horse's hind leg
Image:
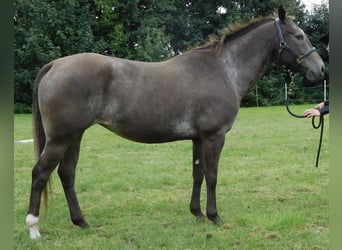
48	160
198	176
66	172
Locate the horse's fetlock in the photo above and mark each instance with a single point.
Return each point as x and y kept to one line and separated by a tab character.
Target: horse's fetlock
32	224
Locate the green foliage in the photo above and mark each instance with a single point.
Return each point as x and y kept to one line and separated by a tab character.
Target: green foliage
317	28
22	108
45	30
152	41
146	30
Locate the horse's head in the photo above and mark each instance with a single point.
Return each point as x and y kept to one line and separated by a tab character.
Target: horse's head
296	51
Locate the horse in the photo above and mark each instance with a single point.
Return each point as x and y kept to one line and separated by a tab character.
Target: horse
193	96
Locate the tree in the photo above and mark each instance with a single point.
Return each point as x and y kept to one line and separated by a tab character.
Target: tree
134	29
316	26
152	41
113	22
45	30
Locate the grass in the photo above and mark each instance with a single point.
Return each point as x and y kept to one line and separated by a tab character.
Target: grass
136	196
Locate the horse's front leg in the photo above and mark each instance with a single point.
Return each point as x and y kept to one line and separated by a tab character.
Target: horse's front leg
198	176
212	147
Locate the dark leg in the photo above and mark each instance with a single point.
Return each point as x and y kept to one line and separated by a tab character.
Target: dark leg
50	157
198	176
66	172
212	148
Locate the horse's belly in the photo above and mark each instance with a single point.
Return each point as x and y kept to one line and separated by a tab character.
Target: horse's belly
151	130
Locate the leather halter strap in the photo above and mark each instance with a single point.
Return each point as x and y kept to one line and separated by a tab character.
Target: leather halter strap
283	46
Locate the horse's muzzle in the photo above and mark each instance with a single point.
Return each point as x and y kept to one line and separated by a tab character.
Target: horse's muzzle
315	74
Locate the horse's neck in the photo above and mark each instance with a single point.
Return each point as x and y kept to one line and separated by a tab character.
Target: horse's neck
247	58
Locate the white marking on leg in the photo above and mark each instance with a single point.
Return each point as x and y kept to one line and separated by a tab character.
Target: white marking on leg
197	161
32	224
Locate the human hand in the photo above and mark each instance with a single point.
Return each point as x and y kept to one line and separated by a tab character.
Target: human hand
311	112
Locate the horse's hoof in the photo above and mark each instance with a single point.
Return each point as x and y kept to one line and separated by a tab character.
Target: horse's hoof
81	223
216	220
84	225
201	218
197	212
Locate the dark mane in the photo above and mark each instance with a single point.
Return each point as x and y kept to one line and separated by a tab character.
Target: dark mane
238	29
234	31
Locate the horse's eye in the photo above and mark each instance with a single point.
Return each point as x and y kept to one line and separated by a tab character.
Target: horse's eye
299	37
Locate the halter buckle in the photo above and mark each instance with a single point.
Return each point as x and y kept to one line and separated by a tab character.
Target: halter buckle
300	59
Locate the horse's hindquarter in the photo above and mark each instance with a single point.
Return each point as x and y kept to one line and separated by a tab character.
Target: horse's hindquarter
71	93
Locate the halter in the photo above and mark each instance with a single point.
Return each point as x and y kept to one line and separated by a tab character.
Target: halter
283	46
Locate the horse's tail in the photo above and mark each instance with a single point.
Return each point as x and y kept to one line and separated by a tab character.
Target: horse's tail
38	129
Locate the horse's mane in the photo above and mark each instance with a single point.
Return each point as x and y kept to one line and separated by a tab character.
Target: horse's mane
234	31
239	29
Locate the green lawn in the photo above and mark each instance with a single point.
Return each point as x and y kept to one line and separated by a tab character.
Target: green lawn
270	195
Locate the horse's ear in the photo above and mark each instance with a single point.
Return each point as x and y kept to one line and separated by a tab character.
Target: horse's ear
281	13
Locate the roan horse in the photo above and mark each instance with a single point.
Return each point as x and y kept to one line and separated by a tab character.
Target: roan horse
194	96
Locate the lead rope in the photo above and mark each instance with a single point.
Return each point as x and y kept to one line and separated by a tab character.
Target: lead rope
289	91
